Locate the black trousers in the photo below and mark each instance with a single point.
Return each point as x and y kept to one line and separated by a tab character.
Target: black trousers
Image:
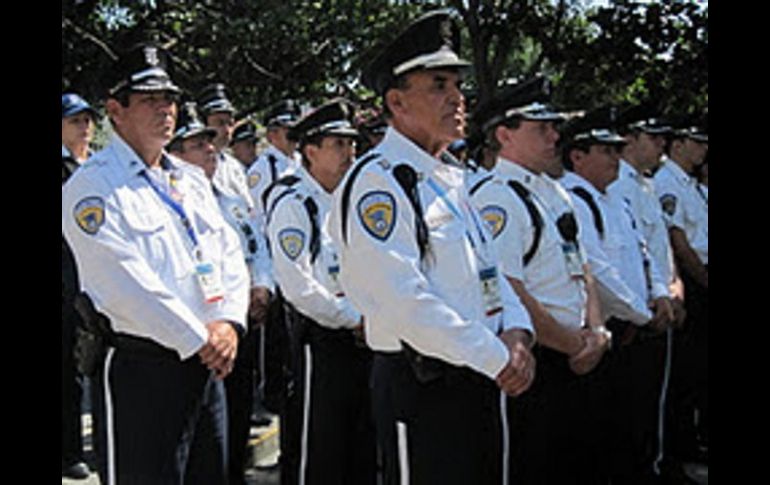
635	377
689	376
448	430
162	421
337	438
240	385
559	426
71	390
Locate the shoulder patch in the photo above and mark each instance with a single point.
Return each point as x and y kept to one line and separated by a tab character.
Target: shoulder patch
377	212
495	218
254	179
292	242
89	214
668	202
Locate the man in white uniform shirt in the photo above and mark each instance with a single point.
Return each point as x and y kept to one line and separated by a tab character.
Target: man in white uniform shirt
418	261
685	206
335	432
635	365
193	143
557	428
218	112
278	159
156	257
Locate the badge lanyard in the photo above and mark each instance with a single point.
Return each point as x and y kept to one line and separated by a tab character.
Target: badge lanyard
207	274
177	208
443	195
488	275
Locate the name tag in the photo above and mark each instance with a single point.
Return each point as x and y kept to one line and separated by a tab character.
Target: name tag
490	290
334	272
573	259
210	281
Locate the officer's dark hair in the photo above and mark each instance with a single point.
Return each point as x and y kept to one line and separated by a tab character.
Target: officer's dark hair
311	140
671	137
399	83
566	149
491	142
176	146
122	97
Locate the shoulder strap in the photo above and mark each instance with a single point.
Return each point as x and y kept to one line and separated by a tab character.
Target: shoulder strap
286	181
407	179
312	213
586	196
315	232
348	188
480	183
272	162
68	167
534	214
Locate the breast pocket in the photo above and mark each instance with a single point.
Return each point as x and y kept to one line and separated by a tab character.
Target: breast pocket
156	238
211	237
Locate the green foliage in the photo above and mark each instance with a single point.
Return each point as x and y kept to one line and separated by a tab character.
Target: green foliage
265	50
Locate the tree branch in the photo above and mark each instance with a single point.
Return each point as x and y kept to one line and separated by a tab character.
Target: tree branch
83	33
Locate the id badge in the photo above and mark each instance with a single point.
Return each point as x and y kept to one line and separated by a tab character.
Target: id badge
334	272
210	281
573	259
490	289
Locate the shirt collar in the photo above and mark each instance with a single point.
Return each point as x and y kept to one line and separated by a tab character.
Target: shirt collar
65	152
397	148
677	171
626	170
132	163
571	180
512	170
314	188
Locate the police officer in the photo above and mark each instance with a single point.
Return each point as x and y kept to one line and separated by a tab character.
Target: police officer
277	159
218	112
244	143
157	258
685	207
417	260
644	138
557	429
193	143
336	432
635	365
77	130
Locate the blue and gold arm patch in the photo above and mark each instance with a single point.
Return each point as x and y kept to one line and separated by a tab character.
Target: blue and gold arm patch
89	214
377	212
495	218
292	241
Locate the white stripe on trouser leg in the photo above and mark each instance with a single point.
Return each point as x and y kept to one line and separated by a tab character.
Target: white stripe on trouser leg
506	436
662	400
261	383
305	413
403	453
109	425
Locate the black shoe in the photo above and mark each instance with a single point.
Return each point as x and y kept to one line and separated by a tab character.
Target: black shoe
78	470
261	419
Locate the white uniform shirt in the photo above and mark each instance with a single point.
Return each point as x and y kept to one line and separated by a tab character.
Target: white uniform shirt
230	177
546	277
245	222
269	166
619	297
639	192
436	305
134	257
312	287
684	206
